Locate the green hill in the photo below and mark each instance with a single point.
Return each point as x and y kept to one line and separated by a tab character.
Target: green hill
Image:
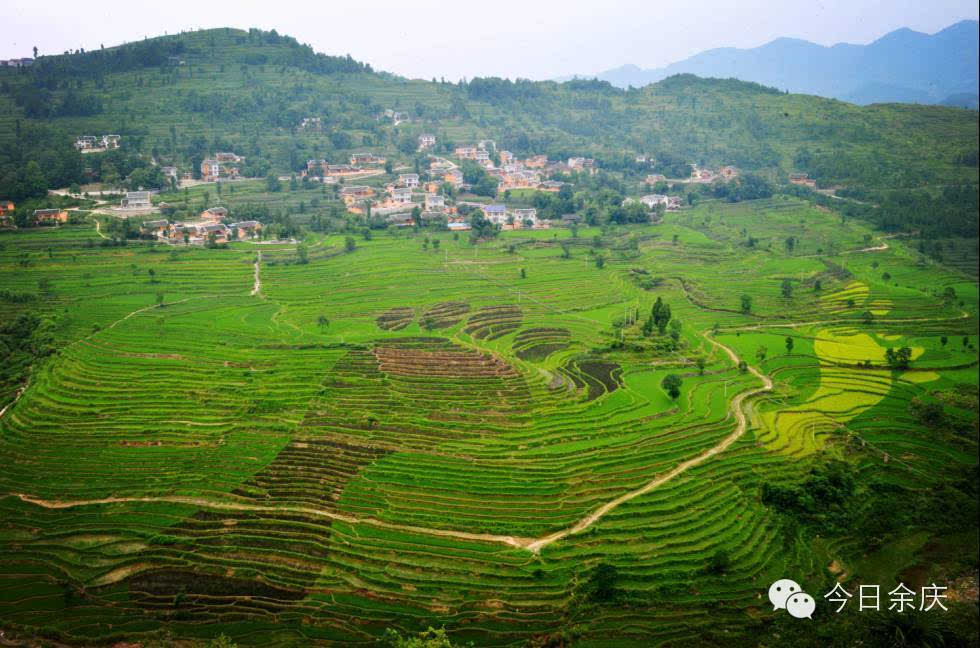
176	96
605	435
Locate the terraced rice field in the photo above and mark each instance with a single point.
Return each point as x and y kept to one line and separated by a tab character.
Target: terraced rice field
459	445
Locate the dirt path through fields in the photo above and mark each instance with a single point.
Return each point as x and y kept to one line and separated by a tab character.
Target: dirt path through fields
531	544
740	427
20	392
257	285
203	502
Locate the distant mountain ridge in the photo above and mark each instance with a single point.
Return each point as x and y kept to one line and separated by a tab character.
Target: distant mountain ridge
903	66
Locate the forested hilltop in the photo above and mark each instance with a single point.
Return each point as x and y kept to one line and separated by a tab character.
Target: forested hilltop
176	98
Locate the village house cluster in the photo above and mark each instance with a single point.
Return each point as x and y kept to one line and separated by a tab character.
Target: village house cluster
7	213
17	62
410	200
802	179
707	175
38	217
530	173
136	200
310	123
366	159
210	229
509	218
223	166
395	116
49	217
398	201
95	144
331	173
653	201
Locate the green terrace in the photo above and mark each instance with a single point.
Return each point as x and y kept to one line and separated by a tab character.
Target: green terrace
390	436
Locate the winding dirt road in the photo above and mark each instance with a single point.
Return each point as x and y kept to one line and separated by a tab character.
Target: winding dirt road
740	428
203	502
20	392
257	285
533	545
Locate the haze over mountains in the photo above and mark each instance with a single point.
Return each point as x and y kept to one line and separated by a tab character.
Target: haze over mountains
902	66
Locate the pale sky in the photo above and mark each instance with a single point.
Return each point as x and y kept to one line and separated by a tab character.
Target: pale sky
466	38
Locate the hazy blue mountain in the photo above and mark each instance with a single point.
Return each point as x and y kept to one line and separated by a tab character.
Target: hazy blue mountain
903	66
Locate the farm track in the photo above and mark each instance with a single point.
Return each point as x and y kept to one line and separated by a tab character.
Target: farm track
20	392
203	502
257	286
533	545
740	428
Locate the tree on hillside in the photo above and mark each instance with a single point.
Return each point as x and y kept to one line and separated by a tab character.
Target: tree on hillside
786	289
350	244
648	326
483	228
719	562
600	586
660	314
746	304
898	359
789	344
672	385
407	144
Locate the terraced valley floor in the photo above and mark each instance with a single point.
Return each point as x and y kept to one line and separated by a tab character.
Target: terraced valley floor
401	435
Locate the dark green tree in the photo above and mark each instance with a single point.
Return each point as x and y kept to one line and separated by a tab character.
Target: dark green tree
660	313
672	385
898	359
746	304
